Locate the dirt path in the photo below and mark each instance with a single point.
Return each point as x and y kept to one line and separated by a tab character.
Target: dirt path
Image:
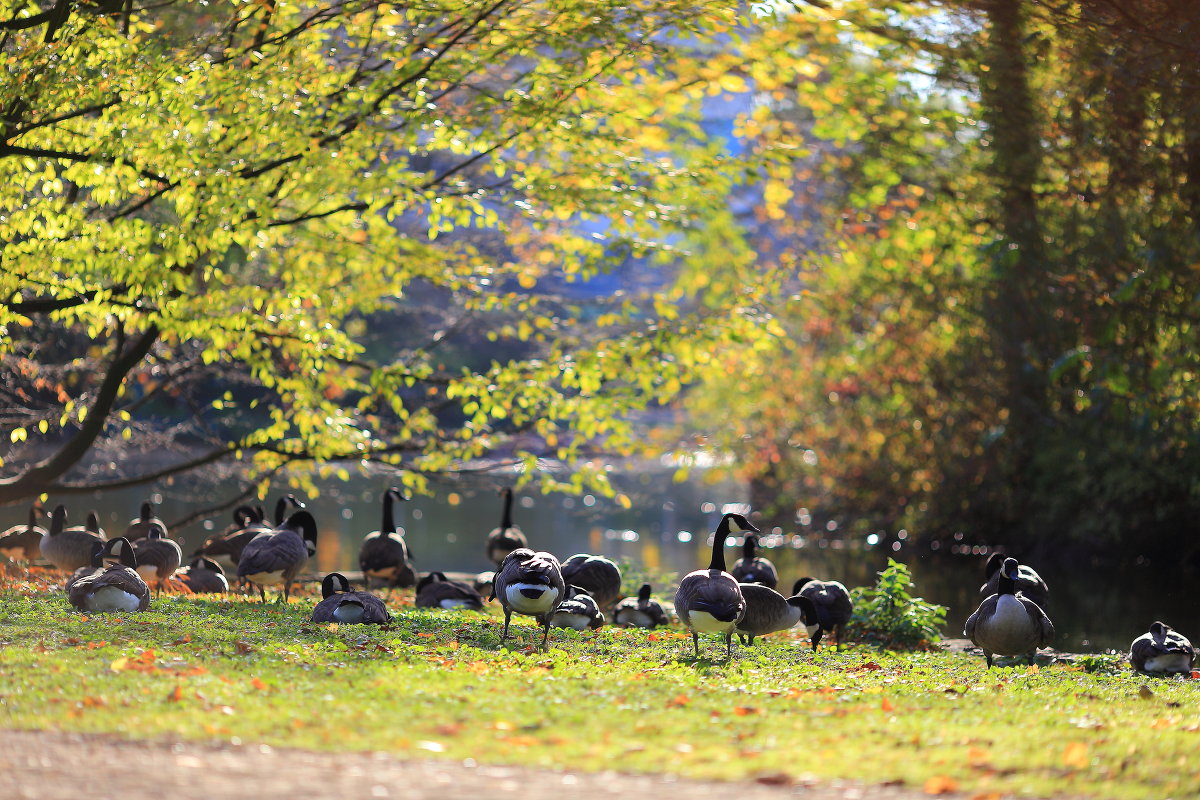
37	765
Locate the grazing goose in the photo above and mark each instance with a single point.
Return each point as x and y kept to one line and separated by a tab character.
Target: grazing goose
640	612
276	556
754	569
158	557
833	605
1029	582
529	583
1162	650
506	538
68	548
384	554
1006	623
114	587
768	611
24	542
578	612
204	576
710	600
435	590
140	526
598	576
344	606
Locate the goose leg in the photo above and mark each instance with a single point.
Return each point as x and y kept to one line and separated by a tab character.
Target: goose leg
816	638
729	645
696	643
507	617
262	592
545	633
988	656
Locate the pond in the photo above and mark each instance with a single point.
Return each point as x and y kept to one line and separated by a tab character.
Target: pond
665	532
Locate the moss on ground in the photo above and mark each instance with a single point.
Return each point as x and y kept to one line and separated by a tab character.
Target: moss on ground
440	684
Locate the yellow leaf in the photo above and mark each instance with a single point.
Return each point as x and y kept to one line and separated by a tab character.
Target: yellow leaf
941	784
1075	755
119	664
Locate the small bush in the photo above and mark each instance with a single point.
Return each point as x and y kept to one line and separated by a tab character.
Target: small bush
890	616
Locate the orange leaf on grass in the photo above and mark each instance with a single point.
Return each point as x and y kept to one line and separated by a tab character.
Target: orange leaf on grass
176	695
258	684
941	784
1075	755
678	701
886	705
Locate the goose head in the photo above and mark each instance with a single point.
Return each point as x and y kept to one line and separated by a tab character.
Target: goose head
334	583
120	551
206	563
302	522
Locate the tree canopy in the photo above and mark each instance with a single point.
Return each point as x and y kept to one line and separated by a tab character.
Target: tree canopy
280	232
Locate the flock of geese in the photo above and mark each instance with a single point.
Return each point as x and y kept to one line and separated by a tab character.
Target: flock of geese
115	575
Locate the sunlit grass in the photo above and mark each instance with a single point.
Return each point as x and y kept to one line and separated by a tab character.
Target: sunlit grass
441	685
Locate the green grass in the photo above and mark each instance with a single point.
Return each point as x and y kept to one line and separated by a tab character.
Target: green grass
441	685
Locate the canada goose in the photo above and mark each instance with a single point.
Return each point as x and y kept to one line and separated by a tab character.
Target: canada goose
1162	650
96	562
352	608
158	557
248	522
754	569
710	600
579	611
435	590
503	540
67	548
204	576
1006	623
143	523
834	607
640	612
384	553
1029	582
115	587
24	542
598	576
767	611
529	583
276	556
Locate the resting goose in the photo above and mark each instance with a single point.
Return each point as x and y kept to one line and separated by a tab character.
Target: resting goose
1162	650
277	556
578	612
503	540
115	587
710	600
1029	582
833	604
598	576
204	576
484	583
529	583
1006	623
751	568
68	548
158	557
767	611
226	547
143	523
435	590
384	554
24	542
340	604
640	612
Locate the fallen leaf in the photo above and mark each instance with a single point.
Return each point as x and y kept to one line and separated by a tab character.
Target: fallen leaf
886	705
678	701
1145	692
187	637
258	684
1033	669
119	664
176	695
243	647
775	779
745	711
1075	755
503	725
433	747
941	784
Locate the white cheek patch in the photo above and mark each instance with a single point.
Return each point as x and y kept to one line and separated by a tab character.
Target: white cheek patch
703	622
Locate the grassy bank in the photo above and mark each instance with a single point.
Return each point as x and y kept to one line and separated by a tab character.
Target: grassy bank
441	685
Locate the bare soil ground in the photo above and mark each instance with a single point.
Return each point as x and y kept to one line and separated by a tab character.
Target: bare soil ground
39	765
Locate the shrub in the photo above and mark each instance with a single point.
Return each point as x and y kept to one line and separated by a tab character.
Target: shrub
890	616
